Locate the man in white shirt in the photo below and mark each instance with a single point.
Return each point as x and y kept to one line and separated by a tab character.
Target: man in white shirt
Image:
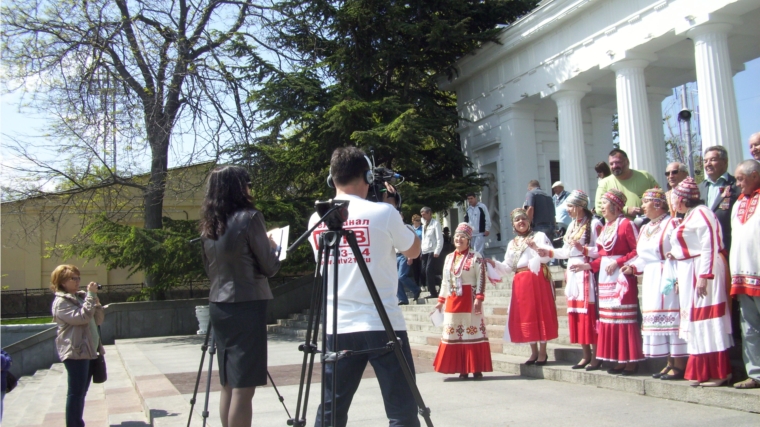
432	244
379	231
477	217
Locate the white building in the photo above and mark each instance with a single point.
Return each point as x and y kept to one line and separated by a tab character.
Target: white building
539	105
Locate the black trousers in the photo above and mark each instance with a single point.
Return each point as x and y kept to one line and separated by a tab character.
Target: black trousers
428	275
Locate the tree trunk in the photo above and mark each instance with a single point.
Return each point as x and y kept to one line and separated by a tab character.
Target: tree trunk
154	193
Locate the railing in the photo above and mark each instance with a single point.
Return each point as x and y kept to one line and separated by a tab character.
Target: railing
38	302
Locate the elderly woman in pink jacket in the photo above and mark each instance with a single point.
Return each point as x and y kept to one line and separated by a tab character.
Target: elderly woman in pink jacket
78	315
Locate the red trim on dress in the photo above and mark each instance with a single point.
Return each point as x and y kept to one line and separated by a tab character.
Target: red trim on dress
710	312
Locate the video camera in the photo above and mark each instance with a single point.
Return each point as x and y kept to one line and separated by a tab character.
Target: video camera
377	191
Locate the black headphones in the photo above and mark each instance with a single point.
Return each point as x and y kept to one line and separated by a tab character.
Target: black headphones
369	176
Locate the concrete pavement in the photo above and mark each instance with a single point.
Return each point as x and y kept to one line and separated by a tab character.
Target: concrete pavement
164	371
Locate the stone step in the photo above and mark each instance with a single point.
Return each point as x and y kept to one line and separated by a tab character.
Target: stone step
723	397
40	399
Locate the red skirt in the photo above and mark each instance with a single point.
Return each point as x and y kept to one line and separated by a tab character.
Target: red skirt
464	346
706	366
583	326
532	311
619	342
463	358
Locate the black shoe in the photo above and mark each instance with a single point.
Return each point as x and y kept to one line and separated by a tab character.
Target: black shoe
403	303
542	362
613	371
663	372
596	367
581	365
530	362
677	376
627	373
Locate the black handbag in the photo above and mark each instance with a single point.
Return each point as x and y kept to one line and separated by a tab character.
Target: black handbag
98	369
10	382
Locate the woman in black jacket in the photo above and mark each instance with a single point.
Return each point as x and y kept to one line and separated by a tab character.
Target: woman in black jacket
238	258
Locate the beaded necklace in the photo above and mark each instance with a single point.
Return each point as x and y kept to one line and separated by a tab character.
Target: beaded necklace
653	227
456	270
519	244
609	235
576	231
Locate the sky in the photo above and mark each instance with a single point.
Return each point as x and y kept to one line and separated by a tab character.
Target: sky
17	121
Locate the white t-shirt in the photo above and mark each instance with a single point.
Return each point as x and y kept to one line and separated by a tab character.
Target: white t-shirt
379	232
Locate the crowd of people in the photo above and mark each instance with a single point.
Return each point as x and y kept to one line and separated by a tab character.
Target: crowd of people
693	248
696	252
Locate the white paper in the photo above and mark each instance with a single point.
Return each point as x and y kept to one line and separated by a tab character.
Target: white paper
280	236
436	317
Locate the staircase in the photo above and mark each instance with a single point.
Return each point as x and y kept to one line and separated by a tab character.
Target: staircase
509	358
40	399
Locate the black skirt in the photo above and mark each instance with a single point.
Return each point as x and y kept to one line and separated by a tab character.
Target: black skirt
240	332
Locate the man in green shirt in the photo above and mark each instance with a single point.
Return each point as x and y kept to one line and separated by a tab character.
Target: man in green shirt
632	183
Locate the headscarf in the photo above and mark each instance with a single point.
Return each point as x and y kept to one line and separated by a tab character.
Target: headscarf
616	197
465	229
657	196
687	189
578	198
517	213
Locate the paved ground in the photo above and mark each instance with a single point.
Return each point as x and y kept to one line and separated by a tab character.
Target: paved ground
498	400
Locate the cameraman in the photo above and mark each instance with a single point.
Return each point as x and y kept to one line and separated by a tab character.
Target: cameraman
379	229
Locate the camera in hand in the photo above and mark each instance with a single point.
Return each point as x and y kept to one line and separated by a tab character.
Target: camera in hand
99	286
377	191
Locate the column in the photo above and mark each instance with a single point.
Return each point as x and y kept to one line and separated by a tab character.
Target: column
655	96
572	150
634	121
718	118
601	133
518	162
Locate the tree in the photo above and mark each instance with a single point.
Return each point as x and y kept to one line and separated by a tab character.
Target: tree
366	73
138	74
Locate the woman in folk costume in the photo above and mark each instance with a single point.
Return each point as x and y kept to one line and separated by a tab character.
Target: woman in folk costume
660	306
580	248
702	286
532	312
464	346
619	333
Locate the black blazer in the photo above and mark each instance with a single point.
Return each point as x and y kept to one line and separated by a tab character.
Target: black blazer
239	262
723	210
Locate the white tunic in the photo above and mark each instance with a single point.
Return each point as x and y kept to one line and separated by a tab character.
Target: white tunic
697	243
579	285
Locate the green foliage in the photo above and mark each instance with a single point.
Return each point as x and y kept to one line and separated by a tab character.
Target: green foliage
27	321
366	73
166	253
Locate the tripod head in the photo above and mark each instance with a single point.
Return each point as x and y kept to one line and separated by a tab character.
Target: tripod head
333	212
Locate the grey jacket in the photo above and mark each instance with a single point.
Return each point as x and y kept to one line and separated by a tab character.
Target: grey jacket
74	339
239	261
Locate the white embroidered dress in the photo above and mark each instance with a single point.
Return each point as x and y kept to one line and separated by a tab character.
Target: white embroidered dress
696	244
660	306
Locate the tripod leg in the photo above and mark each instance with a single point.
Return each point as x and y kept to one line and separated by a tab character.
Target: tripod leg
309	347
408	375
279	396
204	347
211	351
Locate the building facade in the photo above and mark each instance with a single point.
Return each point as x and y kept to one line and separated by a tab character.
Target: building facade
540	104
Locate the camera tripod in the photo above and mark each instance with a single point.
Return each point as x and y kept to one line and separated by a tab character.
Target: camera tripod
211	350
333	214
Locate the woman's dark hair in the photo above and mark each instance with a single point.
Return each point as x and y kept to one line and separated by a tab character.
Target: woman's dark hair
690	203
587	234
603	168
225	194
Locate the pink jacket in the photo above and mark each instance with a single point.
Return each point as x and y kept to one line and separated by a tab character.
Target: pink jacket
74	340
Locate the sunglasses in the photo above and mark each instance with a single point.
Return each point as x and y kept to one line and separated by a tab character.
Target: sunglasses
669	173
